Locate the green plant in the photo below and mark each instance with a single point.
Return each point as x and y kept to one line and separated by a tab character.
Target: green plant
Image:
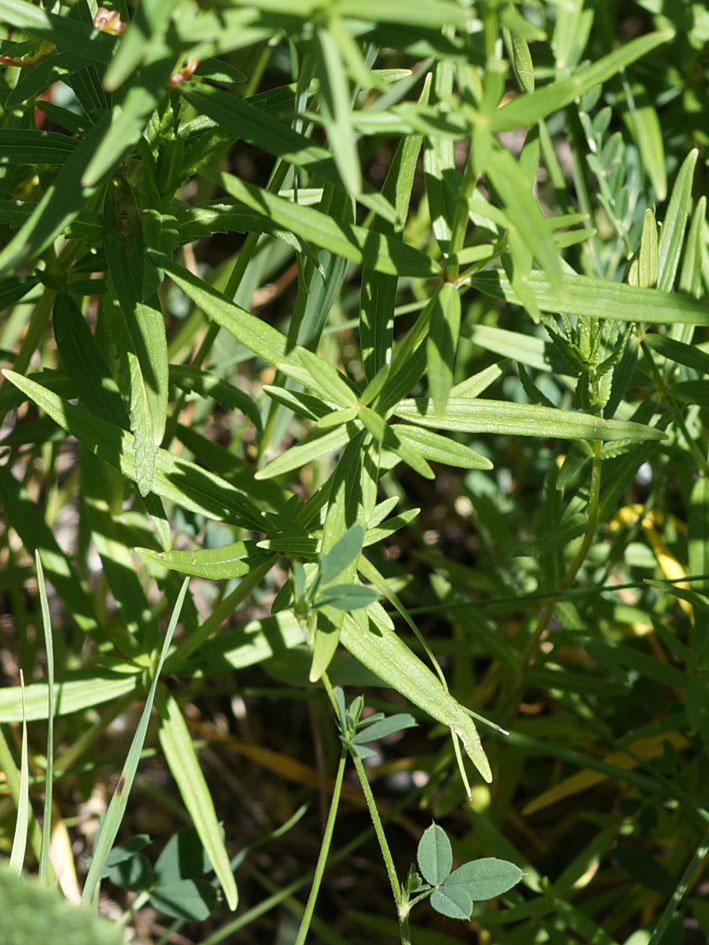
385	324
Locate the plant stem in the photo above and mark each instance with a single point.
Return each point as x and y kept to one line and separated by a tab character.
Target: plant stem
402	905
324	851
573	569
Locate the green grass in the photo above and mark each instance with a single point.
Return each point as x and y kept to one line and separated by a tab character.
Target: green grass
364	344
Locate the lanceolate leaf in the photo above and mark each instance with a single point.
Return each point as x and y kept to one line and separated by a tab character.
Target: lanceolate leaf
528	109
228	561
61	202
137	326
601	298
176	479
473	415
74	690
181	757
255	334
378	251
378	647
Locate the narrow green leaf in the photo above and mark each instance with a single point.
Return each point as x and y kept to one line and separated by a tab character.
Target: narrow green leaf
336	110
252	332
119	801
59	205
74	690
644	124
304	405
144	35
70	33
45	868
343	508
244	121
347	597
370	640
378	293
23	146
378	251
84	363
440	449
689	355
384	728
228	561
344	552
378	533
27	519
316	443
524	213
645	269
601	298
128	120
137	326
434	855
442	344
469	414
19	839
525	110
675	223
390	440
690	279
177	479
327	380
181	757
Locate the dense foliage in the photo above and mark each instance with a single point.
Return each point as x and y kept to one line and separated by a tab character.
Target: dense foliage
354	467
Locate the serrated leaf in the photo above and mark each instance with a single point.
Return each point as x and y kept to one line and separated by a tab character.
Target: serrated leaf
434	855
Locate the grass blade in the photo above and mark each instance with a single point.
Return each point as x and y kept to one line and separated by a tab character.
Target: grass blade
119	801
19	840
44	867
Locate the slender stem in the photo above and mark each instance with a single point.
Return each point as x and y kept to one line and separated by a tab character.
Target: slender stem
378	830
324	851
574	567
